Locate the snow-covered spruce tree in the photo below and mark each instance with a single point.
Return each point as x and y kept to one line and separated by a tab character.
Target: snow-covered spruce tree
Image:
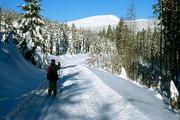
32	41
46	36
109	33
63	43
56	37
7	18
49	41
2	25
62	39
101	49
86	41
72	40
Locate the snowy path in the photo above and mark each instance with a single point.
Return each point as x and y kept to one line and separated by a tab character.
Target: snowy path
144	100
82	95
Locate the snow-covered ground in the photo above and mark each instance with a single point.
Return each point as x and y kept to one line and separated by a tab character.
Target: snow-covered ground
87	93
18	77
142	99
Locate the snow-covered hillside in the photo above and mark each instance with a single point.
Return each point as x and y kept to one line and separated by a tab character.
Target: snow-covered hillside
18	77
97	23
141	24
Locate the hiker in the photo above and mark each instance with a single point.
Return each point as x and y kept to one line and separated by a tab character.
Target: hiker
52	76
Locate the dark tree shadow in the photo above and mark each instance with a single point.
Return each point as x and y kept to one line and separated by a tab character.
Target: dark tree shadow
69	66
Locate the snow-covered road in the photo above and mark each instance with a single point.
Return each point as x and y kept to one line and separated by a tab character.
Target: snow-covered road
85	93
144	100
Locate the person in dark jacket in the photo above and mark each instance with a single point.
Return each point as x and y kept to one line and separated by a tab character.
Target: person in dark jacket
52	76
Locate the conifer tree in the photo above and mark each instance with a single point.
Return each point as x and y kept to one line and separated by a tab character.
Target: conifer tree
109	33
31	29
168	12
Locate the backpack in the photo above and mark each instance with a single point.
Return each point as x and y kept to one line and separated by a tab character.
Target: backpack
52	73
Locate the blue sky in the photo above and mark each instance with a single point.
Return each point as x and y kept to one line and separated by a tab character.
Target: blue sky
67	10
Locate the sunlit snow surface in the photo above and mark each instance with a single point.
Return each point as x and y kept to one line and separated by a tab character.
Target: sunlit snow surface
87	93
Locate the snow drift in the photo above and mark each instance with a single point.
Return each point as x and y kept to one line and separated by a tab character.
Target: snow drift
18	76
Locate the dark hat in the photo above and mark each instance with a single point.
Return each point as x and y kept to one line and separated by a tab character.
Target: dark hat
53	60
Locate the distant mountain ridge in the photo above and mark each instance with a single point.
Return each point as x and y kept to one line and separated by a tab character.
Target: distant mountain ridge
99	22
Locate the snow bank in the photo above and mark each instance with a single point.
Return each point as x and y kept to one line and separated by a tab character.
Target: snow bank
159	96
17	76
123	73
174	92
